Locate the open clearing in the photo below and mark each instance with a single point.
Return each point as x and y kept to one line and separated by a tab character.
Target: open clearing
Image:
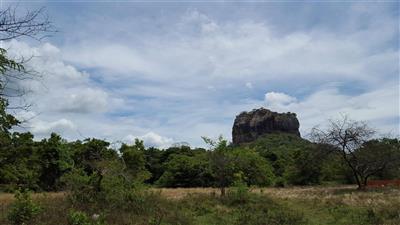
319	204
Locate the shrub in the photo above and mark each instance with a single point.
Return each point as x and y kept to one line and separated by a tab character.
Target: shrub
23	210
78	218
81	218
239	193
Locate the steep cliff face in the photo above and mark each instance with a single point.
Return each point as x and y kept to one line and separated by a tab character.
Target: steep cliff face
248	126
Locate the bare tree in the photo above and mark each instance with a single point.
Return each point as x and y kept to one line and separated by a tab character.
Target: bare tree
347	137
32	24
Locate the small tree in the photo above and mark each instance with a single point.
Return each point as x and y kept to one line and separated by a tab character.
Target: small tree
23	210
348	137
134	159
221	163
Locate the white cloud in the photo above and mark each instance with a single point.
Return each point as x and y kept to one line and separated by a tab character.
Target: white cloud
84	100
379	107
45	128
195	76
238	51
152	139
278	99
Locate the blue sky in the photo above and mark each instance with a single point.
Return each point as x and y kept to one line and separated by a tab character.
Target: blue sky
171	72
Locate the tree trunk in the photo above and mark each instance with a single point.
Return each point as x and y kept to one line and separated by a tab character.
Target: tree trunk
222	191
364	183
362	187
98	183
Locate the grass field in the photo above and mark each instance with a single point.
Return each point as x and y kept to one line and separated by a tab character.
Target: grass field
296	205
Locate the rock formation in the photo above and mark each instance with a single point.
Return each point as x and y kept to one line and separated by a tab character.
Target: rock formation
248	126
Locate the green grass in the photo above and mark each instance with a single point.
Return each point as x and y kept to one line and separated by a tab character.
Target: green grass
291	206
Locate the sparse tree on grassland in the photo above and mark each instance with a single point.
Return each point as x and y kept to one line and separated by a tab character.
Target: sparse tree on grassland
352	139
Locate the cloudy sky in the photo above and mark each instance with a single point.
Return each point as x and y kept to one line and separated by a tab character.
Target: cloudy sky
172	72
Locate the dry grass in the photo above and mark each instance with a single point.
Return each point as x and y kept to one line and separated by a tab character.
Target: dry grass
179	193
346	195
319	204
6	198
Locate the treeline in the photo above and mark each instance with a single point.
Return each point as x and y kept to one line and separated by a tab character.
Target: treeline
277	159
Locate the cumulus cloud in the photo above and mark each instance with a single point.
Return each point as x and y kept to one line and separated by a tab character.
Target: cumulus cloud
278	99
45	128
58	86
152	139
380	107
238	51
195	77
84	100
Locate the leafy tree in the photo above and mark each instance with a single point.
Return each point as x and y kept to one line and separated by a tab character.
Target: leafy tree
294	160
7	121
55	159
307	167
134	159
254	169
154	164
378	157
92	156
23	210
156	159
20	165
186	171
17	158
222	163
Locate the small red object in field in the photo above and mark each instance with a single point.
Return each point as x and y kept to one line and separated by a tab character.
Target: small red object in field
383	183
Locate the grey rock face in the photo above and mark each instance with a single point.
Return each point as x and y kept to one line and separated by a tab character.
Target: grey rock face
248	126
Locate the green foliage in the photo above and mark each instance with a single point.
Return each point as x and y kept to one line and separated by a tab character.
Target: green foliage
254	169
380	158
23	209
111	188
239	192
222	163
78	218
55	159
20	167
7	121
7	64
296	161
134	159
81	218
186	171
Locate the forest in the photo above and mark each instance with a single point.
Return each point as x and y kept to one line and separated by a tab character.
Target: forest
280	178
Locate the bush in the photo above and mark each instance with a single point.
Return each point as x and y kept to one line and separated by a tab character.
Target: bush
110	190
81	218
239	192
78	218
23	210
280	182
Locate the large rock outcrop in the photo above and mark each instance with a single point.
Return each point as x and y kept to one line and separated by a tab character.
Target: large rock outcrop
248	126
